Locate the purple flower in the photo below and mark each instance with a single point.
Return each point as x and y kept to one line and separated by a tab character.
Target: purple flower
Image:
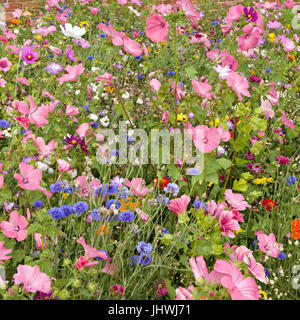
274	24
126	216
73	141
70	55
54	68
144	248
250	14
29	55
249	156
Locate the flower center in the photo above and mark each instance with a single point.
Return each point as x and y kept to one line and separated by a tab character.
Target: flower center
73	141
205	140
29	56
25	180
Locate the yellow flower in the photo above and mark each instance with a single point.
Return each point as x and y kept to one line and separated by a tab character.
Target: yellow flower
272	35
227	118
66	195
210	184
38	37
84	24
238	231
262	294
261	181
270	179
110	89
182	117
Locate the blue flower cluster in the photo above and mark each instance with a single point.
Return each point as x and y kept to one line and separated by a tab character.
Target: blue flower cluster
291	180
66	210
4	124
144	258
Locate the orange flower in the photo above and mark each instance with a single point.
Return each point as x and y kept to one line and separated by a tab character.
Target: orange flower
291	57
127	205
103	229
295	228
15	21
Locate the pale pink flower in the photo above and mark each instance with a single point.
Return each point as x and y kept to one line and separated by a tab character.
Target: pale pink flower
83	129
202	89
155	85
83	186
184	294
4	64
73	73
4	252
232	279
1	181
288	123
122	2
157	28
32	279
236	200
255	268
43	149
144	217
17	13
16	227
63	166
137	186
288	44
179	205
234	13
268	244
90	252
205	139
23	81
132	47
215	209
250	38
228	224
30	178
107	77
267	108
39	241
224	134
238	84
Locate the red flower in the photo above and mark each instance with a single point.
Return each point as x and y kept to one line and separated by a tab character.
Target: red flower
162	183
269	205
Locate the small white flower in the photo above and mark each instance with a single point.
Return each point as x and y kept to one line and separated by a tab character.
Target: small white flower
125	58
42	166
73	173
104	121
77	92
139	101
50	170
74	32
222	71
126	95
93	117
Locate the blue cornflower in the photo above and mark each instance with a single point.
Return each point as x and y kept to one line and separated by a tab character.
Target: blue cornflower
80	207
4	123
140	77
138	58
56	213
91	57
214	23
163	231
102	191
38	204
68	189
96	215
268	69
109	203
51	55
126	216
94	125
145	259
56	187
172	188
267	272
198	204
291	180
102	35
124	193
171	73
162	199
23	131
193	171
113	189
86	108
102	251
134	260
115	152
67	210
144	248
281	256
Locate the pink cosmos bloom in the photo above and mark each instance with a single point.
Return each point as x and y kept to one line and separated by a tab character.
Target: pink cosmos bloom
205	139
107	77
282	160
115	289
63	166
250	38
17	13
90	252
157	28
145	49
16	227
162	8
234	13
155	85
30	178
83	129
268	244
238	84
288	123
144	217
184	294
84	262
32	279
23	81
179	205
254	268
267	108
4	252
165	117
236	200
232	279
110	267
137	187
71	110
228	224
4	64
44	31
73	73
202	89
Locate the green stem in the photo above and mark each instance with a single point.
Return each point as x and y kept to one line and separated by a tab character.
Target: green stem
176	70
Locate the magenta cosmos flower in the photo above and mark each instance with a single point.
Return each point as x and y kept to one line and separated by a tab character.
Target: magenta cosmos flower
29	55
16	227
4	64
32	278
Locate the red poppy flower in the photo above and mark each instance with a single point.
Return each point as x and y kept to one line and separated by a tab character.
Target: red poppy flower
269	205
162	183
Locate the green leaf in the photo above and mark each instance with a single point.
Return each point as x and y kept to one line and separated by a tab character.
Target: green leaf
171	290
46	267
224	163
191	71
240	185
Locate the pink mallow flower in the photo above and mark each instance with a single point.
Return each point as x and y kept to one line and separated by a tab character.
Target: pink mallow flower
157	28
238	84
4	252
90	252
228	224
236	200
32	279
16	227
179	205
137	187
73	73
4	64
84	262
268	244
